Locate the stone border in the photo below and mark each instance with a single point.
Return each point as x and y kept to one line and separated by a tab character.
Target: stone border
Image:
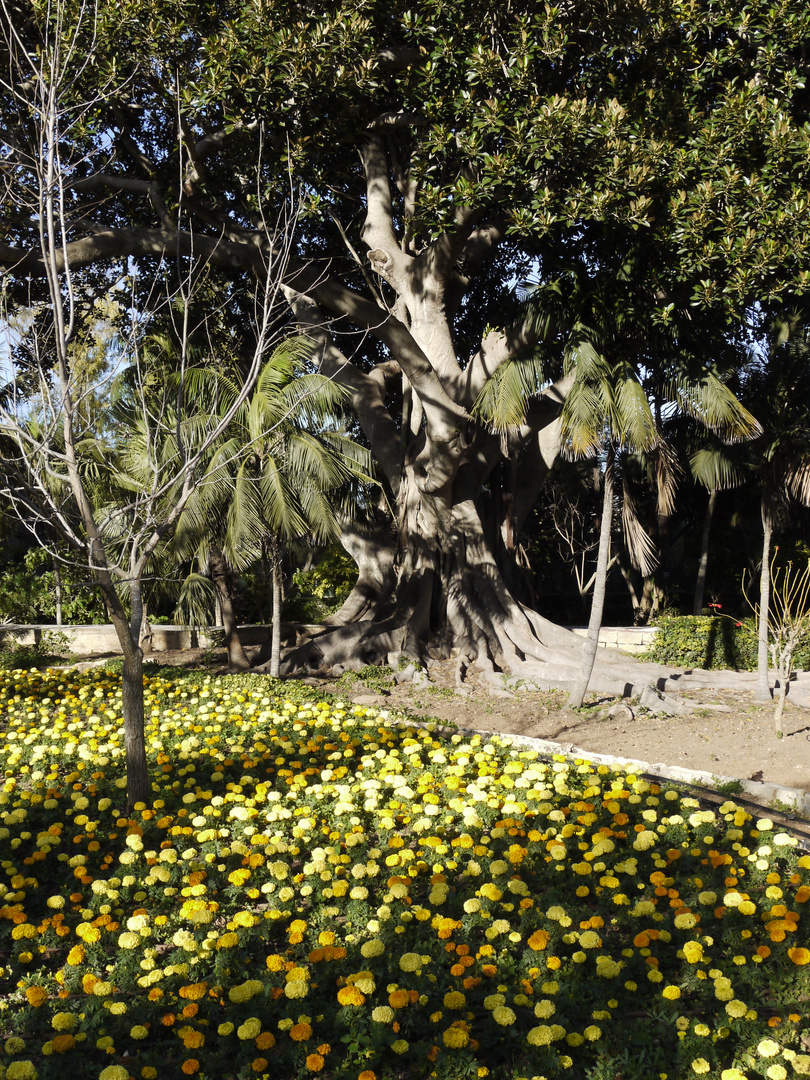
759	791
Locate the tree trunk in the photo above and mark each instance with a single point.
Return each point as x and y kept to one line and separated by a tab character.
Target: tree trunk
763	692
700	584
221	576
275	639
577	695
57	582
138	786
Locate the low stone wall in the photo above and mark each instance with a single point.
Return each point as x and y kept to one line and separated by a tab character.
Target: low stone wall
631	639
83	640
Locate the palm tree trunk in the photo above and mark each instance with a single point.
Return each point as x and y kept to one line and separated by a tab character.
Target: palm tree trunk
220	574
763	692
275	635
577	694
700	584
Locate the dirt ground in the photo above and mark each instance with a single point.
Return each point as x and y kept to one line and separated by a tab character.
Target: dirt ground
737	740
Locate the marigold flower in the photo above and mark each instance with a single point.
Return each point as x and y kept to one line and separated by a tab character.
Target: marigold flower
350	995
314	1062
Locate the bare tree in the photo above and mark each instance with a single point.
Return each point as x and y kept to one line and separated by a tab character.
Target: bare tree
54	458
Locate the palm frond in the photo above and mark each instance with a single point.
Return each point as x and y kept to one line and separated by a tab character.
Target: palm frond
504	400
712	403
195	605
640	546
797	481
712	467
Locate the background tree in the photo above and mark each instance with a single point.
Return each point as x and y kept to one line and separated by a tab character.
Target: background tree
779	384
53	451
445	151
283	472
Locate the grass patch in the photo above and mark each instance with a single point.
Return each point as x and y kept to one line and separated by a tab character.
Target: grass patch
317	892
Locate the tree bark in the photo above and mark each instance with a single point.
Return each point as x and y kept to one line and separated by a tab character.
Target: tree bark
763	692
577	695
700	584
221	576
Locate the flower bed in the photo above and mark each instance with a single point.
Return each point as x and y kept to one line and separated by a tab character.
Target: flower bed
318	891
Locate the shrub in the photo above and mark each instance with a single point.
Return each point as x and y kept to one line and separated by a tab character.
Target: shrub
711	642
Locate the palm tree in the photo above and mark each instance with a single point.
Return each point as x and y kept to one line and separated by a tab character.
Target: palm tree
607	409
284	473
602	328
778	388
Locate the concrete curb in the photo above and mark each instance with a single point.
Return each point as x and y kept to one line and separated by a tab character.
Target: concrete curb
760	792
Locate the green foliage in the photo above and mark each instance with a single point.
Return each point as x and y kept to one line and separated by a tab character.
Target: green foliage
321	590
28	592
711	642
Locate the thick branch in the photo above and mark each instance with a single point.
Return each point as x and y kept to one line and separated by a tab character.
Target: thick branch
120	243
125	183
385	255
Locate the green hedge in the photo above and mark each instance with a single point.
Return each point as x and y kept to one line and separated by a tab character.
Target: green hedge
712	641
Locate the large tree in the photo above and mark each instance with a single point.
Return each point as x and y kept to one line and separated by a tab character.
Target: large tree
445	151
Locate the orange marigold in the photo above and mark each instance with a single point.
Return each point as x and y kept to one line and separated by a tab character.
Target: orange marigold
799	956
37	995
190	1066
538	940
265	1041
314	1062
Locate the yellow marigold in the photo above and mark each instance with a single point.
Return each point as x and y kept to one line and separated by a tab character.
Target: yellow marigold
799	956
274	962
455	1037
250	1030
88	933
36	995
350	995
